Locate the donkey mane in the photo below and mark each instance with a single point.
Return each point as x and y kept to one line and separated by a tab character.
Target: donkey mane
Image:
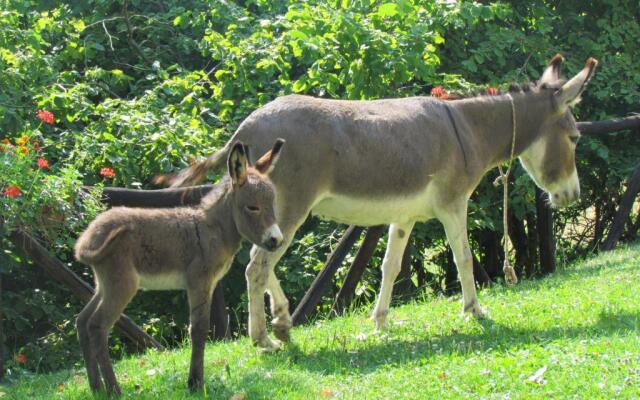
514	87
217	193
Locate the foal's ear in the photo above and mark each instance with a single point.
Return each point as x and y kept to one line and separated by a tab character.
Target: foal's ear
238	164
266	163
552	73
569	93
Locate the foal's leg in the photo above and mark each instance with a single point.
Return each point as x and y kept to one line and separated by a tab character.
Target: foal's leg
258	273
199	309
455	226
117	289
82	326
398	238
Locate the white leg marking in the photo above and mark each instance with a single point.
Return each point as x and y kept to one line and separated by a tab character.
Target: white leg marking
398	238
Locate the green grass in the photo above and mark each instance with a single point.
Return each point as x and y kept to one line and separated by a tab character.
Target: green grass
582	324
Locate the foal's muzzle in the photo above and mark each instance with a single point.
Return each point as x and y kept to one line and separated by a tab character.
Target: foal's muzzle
272	238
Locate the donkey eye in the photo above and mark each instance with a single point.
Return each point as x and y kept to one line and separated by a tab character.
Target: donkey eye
574	139
253	209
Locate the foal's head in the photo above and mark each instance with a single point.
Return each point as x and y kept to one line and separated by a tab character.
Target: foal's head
253	196
550	159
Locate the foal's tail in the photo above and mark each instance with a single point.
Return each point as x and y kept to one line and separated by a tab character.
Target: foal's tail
195	173
89	256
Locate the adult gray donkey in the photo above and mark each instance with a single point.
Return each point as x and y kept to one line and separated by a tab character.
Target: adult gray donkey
398	161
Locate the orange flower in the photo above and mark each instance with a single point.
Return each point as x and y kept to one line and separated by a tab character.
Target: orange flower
438	92
23	140
12	192
491	91
107	172
45	116
6	141
21	358
42	163
24	150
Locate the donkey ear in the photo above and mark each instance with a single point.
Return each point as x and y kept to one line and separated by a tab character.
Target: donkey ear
266	163
552	72
570	92
238	164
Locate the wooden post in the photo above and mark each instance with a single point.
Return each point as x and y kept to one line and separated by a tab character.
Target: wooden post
518	237
624	209
57	270
173	197
312	297
219	314
480	274
532	244
354	275
545	234
608	126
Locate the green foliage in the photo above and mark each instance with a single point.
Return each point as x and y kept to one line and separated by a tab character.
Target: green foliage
577	330
141	87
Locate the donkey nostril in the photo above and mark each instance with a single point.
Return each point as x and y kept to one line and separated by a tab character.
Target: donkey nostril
272	243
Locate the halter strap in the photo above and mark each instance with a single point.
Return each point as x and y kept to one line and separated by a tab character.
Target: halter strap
509	272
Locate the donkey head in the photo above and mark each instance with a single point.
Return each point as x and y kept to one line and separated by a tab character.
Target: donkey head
253	196
550	159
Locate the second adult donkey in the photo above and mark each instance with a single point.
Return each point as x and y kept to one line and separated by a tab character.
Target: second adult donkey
181	248
398	161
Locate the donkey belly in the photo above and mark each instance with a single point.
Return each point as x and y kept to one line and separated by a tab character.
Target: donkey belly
367	211
162	281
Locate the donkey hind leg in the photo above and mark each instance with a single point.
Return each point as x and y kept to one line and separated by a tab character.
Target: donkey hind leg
258	275
116	294
199	309
82	326
455	226
398	238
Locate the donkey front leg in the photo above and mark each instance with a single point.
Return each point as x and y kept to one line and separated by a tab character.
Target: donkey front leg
455	226
258	274
199	314
398	238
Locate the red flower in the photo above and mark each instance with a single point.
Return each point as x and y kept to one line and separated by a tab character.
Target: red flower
36	146
12	192
45	116
438	92
491	91
107	172
42	163
5	144
21	358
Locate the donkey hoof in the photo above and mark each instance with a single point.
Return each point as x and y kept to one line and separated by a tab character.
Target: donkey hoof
380	320
269	346
474	310
281	328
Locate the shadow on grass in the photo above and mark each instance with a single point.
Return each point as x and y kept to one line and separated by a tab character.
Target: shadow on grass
495	337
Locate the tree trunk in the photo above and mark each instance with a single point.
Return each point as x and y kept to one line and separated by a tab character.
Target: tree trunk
480	274
532	244
57	270
404	287
545	234
518	237
626	204
451	283
347	292
493	253
1	325
311	299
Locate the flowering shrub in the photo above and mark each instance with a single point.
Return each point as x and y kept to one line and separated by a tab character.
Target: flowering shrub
39	197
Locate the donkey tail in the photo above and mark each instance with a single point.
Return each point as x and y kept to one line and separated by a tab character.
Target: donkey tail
197	172
90	256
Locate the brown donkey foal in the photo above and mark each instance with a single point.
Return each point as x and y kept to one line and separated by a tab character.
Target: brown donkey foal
179	248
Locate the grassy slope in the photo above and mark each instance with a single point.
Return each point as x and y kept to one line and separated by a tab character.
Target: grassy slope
582	324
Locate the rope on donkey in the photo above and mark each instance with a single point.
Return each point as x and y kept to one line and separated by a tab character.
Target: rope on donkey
509	272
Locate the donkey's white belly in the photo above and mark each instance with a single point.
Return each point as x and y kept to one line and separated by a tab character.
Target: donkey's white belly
166	281
368	212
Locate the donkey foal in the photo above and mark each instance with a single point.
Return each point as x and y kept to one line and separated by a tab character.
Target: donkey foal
181	248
